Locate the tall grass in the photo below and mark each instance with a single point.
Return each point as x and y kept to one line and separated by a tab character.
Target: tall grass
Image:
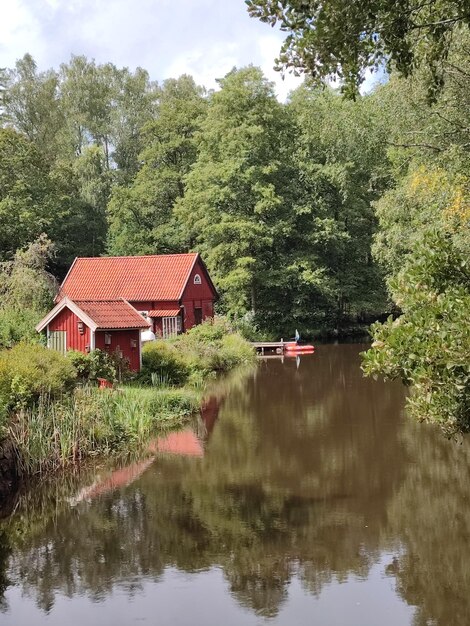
56	433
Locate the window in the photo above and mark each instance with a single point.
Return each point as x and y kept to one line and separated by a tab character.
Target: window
197	279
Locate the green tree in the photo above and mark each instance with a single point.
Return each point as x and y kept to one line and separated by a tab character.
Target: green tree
135	105
343	38
31	104
141	215
342	167
234	209
26	193
428	251
87	92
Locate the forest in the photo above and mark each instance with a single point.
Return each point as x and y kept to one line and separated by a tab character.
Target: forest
324	213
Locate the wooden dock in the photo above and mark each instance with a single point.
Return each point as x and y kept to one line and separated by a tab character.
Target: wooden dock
270	347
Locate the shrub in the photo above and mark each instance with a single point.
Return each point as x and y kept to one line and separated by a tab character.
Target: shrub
201	353
18	325
28	371
96	364
164	360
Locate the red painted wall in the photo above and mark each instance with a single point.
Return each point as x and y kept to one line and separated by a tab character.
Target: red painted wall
198	292
121	340
197	296
68	321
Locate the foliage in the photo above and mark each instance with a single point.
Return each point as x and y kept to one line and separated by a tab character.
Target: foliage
233	210
342	39
428	346
94	365
26	199
141	215
424	244
18	325
200	353
164	360
25	282
213	347
28	371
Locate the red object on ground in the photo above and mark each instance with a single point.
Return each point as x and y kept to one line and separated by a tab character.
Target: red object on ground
105	384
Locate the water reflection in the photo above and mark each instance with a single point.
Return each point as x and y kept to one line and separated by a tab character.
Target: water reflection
300	484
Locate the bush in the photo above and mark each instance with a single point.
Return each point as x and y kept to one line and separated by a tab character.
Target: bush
28	371
201	353
165	362
96	364
18	325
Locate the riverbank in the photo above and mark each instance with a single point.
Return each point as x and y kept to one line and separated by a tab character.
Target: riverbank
55	415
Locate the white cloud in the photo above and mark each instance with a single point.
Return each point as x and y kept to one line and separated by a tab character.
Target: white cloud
19	32
205	38
269	47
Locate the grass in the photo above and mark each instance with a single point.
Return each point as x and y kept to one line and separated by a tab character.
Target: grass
53	434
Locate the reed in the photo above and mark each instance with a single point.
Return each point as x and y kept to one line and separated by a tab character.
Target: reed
53	434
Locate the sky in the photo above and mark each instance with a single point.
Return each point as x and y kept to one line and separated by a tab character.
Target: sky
204	38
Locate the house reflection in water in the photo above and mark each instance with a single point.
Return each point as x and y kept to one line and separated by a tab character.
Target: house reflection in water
188	442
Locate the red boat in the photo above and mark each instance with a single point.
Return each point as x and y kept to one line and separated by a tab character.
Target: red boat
294	348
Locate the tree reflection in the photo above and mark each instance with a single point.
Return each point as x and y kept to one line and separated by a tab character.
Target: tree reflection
430	514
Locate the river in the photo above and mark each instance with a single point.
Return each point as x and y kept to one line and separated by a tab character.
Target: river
303	496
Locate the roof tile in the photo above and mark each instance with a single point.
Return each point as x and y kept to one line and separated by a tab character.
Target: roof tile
134	278
113	314
164	312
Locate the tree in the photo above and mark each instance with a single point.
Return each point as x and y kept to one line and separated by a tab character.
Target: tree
428	251
235	209
81	192
342	168
26	291
25	281
26	193
87	91
343	38
31	105
141	214
135	106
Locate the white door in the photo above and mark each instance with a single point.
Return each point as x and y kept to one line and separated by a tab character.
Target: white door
57	341
169	327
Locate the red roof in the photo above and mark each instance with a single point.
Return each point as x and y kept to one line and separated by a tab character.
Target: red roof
184	442
113	314
134	278
166	312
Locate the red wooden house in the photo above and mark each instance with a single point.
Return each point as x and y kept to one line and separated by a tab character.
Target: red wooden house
106	302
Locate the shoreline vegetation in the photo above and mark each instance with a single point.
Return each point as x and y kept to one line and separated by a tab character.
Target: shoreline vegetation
56	417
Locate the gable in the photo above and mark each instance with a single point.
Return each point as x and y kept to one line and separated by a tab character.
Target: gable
203	290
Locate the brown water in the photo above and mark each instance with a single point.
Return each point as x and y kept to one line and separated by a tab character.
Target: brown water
303	497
